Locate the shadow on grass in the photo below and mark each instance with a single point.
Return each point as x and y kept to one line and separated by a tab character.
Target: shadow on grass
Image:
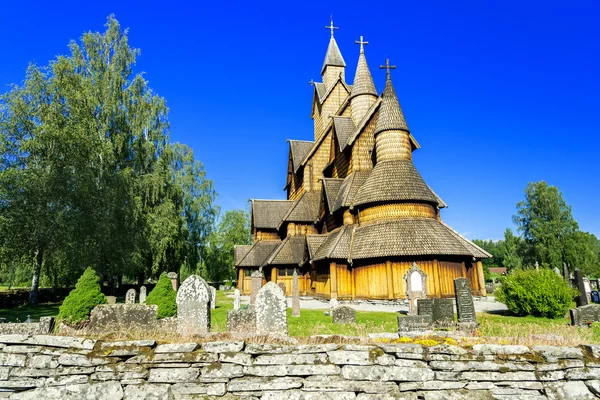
19	314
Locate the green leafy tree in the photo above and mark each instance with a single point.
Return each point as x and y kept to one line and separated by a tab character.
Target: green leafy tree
234	228
512	249
581	251
164	297
79	303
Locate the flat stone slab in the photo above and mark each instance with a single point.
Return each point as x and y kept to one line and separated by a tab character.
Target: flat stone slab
176	348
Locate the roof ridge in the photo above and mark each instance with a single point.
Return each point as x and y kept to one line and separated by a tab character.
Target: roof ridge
275	251
336	240
464	238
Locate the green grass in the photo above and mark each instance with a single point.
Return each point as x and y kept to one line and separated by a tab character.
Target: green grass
36	311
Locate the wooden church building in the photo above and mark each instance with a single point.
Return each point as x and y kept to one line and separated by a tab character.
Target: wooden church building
358	214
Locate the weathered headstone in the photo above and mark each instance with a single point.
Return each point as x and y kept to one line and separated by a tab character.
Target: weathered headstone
585	315
236	299
130	296
333	303
537	266
271	310
425	307
582	299
443	312
193	307
464	302
416	287
295	295
557	271
174	280
409	323
123	317
142	294
242	320
588	289
111	300
281	286
343	315
255	284
213	297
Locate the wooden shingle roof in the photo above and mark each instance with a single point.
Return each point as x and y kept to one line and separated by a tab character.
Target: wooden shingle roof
391	116
299	149
305	209
259	253
314	242
239	252
363	80
331	188
396	180
343	129
268	214
337	244
292	250
349	188
333	57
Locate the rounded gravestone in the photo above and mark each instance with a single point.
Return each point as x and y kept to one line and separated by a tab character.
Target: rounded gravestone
271	310
193	307
130	296
343	315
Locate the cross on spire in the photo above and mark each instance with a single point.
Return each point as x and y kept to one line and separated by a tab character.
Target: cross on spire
311	82
331	27
387	66
361	42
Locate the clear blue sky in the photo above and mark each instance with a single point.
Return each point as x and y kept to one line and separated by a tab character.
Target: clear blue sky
498	94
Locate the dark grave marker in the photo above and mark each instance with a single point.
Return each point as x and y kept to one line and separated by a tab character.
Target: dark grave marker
582	299
585	315
425	307
464	301
595	297
443	312
411	323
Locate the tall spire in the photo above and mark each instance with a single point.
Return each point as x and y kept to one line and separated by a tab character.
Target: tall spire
363	81
333	56
391	116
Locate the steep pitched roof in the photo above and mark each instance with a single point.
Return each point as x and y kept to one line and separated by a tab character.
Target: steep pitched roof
331	188
336	246
305	209
343	128
333	57
258	254
396	180
321	90
349	188
299	149
292	250
391	116
268	214
240	251
314	242
363	81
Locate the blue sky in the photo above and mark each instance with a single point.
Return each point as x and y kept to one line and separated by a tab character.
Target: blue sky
498	94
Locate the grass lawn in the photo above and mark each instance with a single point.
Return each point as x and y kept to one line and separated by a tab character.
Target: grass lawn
20	313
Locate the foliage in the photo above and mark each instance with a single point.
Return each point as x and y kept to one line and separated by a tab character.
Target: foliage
88	175
164	297
233	229
512	249
539	293
77	305
494	248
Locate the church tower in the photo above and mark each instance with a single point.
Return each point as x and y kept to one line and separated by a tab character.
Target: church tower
334	65
363	93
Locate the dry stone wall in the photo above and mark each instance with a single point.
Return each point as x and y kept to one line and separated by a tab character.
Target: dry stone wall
52	367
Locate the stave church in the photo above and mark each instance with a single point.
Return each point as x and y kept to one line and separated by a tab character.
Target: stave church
358	214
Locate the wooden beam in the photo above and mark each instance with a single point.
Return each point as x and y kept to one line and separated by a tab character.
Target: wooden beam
333	279
390	281
353	275
274	275
481	278
240	284
438	272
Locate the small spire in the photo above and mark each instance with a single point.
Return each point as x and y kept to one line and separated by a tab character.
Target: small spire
333	56
363	81
391	116
361	42
331	27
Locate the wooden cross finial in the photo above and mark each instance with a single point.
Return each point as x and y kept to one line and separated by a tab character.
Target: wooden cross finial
311	82
331	27
361	42
387	66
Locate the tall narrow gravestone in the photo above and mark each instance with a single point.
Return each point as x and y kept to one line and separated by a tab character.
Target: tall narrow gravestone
295	295
464	303
582	299
236	299
416	287
271	310
142	294
193	307
174	280
213	297
255	284
130	296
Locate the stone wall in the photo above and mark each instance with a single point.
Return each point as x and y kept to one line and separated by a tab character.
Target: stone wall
41	367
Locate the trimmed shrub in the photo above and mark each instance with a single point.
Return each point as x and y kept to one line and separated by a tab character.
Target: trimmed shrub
539	293
79	303
164	297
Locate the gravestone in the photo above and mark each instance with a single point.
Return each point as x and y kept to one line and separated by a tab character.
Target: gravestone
416	287
565	272
441	311
271	310
464	302
595	297
597	284
242	320
425	307
343	315
333	304
255	284
213	297
585	315
557	271
582	299
236	299
193	307
111	300
411	323
295	295
537	266
123	318
588	289
130	296
281	286
142	294
174	280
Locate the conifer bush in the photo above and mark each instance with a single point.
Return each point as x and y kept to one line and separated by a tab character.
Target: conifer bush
164	297
539	293
79	303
